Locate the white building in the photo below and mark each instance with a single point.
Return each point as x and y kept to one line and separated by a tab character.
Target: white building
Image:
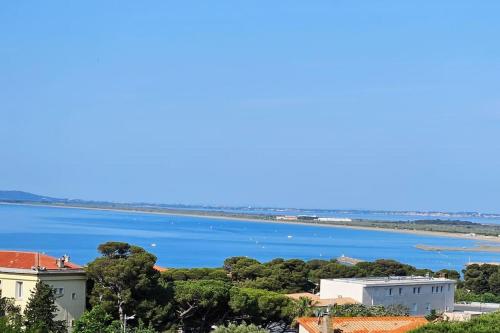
419	294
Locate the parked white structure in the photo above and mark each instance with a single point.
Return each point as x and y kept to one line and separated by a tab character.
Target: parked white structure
419	294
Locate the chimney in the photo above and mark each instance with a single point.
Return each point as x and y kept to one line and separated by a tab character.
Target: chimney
60	262
326	325
66	258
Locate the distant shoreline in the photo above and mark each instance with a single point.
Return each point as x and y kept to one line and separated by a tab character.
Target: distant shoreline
479	248
211	215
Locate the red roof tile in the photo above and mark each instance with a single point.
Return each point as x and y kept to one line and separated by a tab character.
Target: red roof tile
28	260
160	269
365	324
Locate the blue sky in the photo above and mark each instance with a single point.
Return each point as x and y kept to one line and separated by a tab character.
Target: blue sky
327	104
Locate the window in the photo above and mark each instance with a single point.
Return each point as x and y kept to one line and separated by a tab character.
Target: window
415	307
449	287
59	291
416	290
441	289
73	296
19	290
433	290
401	291
389	292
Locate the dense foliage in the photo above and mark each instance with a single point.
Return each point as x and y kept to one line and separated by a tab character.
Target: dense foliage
295	275
488	323
360	310
482	279
123	282
242	328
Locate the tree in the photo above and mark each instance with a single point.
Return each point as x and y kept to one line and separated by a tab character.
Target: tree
10	315
125	283
41	311
201	303
486	323
360	310
95	321
243	268
477	278
494	283
242	328
260	307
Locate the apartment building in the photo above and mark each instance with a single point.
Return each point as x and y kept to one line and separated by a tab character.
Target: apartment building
418	293
20	272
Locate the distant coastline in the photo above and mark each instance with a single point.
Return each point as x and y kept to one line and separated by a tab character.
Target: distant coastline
479	248
380	226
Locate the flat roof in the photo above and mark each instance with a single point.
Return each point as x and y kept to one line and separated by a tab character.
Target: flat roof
394	280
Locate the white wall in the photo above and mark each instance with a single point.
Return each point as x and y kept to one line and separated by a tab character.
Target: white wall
418	303
334	289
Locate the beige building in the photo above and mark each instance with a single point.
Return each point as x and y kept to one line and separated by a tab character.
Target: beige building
20	271
418	293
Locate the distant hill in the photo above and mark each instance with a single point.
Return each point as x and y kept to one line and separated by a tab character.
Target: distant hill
15	196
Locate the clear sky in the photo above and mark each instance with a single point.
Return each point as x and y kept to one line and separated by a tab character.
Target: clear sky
327	104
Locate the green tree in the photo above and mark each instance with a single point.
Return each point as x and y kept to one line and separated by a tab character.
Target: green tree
487	323
360	310
10	314
125	282
494	283
41	311
260	306
477	277
201	303
242	328
243	268
94	321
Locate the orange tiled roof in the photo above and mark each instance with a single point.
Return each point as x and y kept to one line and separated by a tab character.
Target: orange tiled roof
160	269
316	301
365	324
28	260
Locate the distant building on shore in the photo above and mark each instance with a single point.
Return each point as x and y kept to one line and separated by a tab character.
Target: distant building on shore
21	271
348	261
287	218
334	219
419	294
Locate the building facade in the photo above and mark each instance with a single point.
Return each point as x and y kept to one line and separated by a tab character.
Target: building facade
419	294
21	271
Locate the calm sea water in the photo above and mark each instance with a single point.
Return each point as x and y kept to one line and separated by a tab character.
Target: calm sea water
180	241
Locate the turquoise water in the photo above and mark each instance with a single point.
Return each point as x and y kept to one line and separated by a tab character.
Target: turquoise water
203	242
